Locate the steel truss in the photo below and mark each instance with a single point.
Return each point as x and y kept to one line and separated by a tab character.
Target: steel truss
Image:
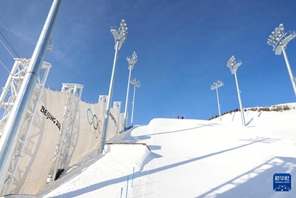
7	101
69	129
117	106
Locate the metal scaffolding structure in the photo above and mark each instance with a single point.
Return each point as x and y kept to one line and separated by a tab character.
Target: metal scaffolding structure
68	134
7	101
117	105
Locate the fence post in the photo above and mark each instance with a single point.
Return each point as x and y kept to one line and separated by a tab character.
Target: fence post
126	186
121	192
133	176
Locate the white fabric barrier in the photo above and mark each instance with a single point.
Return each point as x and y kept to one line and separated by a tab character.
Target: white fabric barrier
39	154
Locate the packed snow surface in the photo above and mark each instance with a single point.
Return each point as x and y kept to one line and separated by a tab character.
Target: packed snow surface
191	158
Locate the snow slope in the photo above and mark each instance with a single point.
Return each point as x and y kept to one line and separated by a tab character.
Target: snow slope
191	158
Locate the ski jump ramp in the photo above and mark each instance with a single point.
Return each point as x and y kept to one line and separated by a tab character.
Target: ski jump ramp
58	139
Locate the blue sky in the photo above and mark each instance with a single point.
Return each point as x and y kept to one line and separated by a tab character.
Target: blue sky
182	47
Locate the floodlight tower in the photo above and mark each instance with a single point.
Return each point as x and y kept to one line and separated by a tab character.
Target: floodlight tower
233	65
119	38
131	62
216	85
136	85
279	40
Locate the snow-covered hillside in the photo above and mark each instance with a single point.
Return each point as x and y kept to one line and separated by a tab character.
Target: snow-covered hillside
191	158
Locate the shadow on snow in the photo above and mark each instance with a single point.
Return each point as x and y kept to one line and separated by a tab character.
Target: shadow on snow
154	155
257	182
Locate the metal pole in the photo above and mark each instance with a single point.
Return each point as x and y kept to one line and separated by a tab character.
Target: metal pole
218	103
134	95
17	115
126	99
133	176
126	187
240	101
289	69
118	106
110	94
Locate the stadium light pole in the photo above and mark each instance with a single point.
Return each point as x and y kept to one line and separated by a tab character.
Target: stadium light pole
119	38
131	62
233	65
279	40
136	85
215	86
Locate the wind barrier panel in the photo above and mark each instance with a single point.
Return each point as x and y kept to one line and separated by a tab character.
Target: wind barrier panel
40	156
